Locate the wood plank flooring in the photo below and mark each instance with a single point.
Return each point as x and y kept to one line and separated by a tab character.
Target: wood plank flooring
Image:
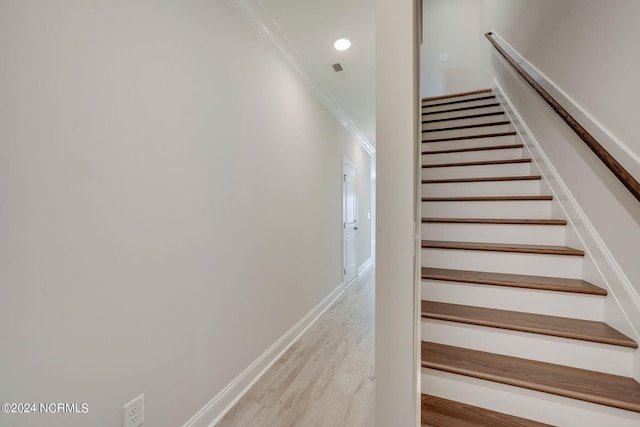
504	247
586	330
438	412
488	199
591	386
475	107
466	137
326	378
513	280
471	149
478	163
460	101
484	179
518	221
470	116
454	95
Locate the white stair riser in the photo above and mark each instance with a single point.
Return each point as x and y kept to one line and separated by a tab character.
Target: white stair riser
550	303
456	98
504	262
449	106
539	209
457	133
482	171
468	143
463	121
609	359
491	188
529	404
473	156
495	233
445	115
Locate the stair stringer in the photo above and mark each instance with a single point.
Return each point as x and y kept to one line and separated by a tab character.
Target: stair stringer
622	305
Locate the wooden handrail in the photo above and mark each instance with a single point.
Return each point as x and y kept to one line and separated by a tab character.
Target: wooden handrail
610	162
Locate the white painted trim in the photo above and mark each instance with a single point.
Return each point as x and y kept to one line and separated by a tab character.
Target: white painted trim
618	149
270	30
213	411
365	266
348	164
614	278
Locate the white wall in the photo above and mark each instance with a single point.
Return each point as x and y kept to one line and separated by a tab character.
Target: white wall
453	27
362	160
586	48
171	204
396	110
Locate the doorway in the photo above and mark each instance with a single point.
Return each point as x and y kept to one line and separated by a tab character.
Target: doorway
349	221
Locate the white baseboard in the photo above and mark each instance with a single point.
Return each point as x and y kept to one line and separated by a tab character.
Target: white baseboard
213	411
365	266
600	260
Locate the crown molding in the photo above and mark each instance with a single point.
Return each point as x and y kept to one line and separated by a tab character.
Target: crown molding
267	26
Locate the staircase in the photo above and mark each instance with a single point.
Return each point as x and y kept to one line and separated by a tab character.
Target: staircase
511	335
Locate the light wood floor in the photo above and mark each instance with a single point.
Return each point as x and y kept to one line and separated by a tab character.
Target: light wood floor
326	377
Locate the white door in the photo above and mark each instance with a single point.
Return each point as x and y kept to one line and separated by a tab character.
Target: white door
350	222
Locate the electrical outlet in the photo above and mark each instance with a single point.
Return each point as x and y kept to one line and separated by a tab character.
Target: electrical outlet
133	412
444	57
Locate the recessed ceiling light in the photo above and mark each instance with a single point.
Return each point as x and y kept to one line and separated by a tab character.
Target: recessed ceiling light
342	44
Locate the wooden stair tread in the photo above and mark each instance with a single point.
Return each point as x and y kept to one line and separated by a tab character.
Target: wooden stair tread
578	329
503	247
478	163
439	412
517	221
459	101
460	138
484	179
556	284
453	95
475	107
487	199
469	116
487	148
591	386
462	127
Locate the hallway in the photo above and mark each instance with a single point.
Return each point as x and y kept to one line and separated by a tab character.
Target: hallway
326	377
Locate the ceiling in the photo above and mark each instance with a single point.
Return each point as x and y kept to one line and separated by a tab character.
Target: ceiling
310	27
